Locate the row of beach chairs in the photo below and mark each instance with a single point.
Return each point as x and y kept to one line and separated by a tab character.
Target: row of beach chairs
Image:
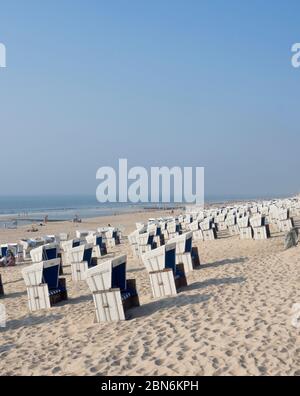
112	293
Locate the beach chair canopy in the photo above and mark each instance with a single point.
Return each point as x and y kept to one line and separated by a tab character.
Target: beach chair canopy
44	253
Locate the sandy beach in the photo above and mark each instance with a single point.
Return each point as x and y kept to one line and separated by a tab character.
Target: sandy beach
233	318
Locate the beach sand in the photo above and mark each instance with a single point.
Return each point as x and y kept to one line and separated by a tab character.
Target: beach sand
234	318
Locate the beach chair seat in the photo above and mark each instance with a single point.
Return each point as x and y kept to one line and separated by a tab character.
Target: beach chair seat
81	260
166	278
1	287
113	294
44	287
246	233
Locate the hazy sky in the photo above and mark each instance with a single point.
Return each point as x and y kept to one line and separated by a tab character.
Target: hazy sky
160	82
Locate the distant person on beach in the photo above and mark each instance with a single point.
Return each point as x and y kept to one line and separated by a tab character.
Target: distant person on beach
8	260
46	219
76	219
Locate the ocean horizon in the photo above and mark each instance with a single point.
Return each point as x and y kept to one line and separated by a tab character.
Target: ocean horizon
25	209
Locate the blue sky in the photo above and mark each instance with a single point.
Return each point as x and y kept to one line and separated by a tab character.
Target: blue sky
160	82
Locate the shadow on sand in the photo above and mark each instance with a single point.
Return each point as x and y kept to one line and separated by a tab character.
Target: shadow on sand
217	264
29	321
181	299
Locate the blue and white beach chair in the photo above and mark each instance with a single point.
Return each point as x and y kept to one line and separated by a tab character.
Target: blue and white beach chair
81	261
44	287
165	276
186	254
146	242
99	247
113	294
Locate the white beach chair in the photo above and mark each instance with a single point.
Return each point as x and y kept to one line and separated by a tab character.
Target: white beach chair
165	277
81	261
132	238
111	236
261	230
63	236
99	248
186	254
205	225
260	233
81	234
173	229
285	225
112	293
197	233
243	222
44	287
66	247
145	242
156	230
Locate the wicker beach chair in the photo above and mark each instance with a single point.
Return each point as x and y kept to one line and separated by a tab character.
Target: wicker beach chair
186	254
99	247
113	294
81	261
44	287
165	276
